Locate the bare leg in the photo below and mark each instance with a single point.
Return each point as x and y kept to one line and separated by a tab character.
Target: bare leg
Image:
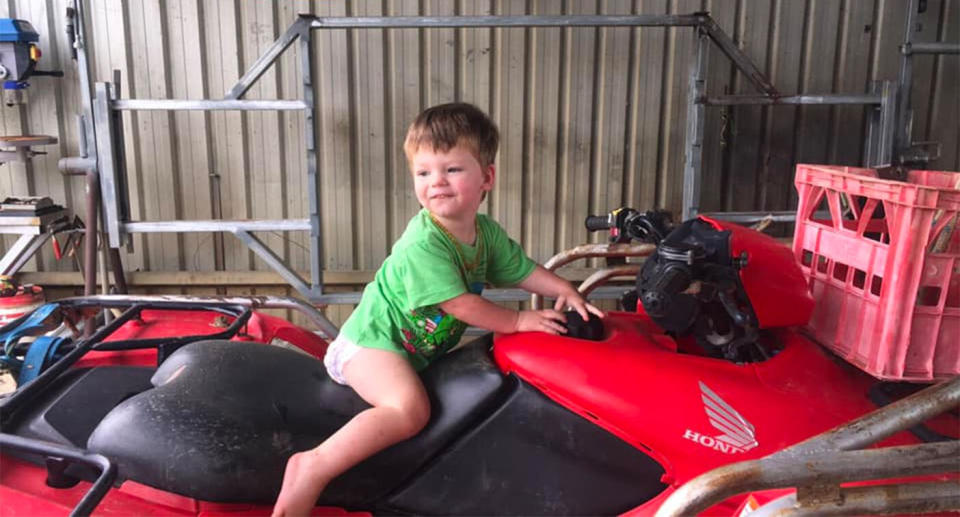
400	410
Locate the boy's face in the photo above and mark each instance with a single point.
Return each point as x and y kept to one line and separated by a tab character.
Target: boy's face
450	184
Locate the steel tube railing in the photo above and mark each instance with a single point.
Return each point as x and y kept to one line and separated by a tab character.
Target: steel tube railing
884	422
819	468
591	251
206	105
828	459
252	302
906	498
424	22
764	100
931	48
601	276
100	487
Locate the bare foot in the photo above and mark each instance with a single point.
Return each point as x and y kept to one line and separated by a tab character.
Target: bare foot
303	482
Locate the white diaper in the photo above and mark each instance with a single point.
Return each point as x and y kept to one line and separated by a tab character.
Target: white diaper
338	354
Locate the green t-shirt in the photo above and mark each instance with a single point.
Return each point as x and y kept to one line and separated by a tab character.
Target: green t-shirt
399	310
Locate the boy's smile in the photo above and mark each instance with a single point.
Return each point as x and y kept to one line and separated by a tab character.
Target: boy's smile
450	184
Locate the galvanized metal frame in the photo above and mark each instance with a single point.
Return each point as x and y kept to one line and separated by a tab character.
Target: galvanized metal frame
34	232
106	102
903	146
22	250
696	120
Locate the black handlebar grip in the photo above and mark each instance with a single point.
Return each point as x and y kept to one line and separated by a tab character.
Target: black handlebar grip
595	223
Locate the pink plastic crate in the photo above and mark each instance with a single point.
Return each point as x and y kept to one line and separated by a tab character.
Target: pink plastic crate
886	301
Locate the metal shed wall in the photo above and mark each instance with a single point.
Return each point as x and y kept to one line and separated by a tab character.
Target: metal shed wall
591	118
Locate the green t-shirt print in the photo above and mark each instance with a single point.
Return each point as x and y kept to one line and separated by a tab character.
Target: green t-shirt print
399	310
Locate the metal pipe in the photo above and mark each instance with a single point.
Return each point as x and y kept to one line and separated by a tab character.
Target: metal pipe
591	251
820	468
253	302
938	47
22	250
696	122
100	487
266	59
601	276
749	217
261	225
905	498
103	128
92	190
412	22
206	105
901	139
308	75
119	278
89	140
826	99
104	266
888	119
598	250
822	459
276	263
741	60
884	422
76	165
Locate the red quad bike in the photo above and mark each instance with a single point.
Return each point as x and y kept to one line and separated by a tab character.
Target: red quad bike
182	406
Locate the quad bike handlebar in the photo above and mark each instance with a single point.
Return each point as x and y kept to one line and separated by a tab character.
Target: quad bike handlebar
696	280
595	223
626	224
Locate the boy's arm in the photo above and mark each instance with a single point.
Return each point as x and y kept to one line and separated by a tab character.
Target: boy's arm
545	283
477	311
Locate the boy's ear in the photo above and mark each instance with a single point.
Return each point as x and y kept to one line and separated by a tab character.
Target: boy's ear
491	174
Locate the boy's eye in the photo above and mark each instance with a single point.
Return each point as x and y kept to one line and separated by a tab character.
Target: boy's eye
422	173
454	169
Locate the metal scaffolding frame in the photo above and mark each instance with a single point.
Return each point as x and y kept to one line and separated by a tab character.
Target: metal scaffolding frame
884	140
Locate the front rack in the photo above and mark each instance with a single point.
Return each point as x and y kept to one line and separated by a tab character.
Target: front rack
818	466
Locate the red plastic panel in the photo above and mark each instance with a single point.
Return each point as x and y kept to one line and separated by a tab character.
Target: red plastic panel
24	492
169	323
634	385
772	279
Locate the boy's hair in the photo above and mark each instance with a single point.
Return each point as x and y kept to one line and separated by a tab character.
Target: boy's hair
444	126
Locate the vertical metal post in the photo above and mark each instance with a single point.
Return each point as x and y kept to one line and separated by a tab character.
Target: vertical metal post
103	128
696	120
888	120
881	124
871	140
901	140
92	186
313	185
83	70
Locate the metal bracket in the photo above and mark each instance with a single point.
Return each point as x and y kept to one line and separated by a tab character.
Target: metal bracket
21	251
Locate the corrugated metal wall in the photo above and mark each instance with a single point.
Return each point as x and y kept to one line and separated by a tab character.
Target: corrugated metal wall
591	118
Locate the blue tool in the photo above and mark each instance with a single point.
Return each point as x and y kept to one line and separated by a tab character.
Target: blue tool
18	58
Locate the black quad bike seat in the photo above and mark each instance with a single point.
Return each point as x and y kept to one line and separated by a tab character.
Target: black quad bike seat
222	417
